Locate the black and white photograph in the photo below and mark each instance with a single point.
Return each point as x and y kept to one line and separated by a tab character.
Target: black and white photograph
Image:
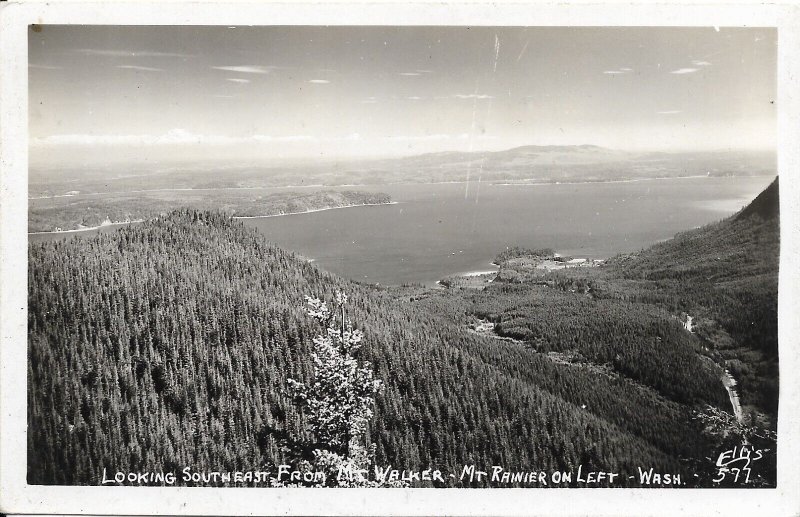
406	256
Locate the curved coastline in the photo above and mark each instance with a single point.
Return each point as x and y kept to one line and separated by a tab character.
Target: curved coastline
313	210
88	228
121	223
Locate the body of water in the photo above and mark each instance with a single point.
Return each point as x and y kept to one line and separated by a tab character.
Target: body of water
442	229
439	230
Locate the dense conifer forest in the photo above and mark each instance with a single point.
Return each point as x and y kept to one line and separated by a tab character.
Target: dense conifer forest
725	275
169	344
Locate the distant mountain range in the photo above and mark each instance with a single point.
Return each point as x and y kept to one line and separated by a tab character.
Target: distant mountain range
526	164
533	163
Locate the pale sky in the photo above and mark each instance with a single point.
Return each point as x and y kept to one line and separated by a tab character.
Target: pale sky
161	93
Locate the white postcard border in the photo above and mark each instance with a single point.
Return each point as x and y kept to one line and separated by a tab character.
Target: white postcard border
18	497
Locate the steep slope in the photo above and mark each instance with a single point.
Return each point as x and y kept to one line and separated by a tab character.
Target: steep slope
741	246
766	205
168	344
725	275
684	318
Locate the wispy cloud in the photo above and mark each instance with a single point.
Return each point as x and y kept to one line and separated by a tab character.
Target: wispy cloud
414	98
437	137
670	112
126	53
174	136
319	81
237	80
425	138
289	138
621	70
681	71
142	68
179	136
410	74
44	67
701	63
473	96
246	69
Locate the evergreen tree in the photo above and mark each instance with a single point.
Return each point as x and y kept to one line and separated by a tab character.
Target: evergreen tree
338	404
170	343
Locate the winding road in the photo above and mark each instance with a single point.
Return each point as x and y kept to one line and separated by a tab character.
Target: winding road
730	383
728	380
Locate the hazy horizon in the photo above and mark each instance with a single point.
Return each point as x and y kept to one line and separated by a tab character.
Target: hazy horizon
160	95
131	156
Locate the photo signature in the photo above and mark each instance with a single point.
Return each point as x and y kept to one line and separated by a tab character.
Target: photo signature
734	464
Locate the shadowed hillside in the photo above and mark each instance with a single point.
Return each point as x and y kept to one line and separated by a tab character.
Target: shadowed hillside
765	206
707	299
723	275
727	273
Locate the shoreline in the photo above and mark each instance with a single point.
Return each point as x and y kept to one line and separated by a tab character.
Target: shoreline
87	229
521	182
120	223
177	189
471	274
312	211
468	275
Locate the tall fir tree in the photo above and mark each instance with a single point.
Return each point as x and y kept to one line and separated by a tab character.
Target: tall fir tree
338	403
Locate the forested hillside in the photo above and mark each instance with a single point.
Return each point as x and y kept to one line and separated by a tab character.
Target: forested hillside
168	344
726	276
673	317
723	276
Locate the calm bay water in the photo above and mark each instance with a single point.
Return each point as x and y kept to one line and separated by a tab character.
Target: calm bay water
438	230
